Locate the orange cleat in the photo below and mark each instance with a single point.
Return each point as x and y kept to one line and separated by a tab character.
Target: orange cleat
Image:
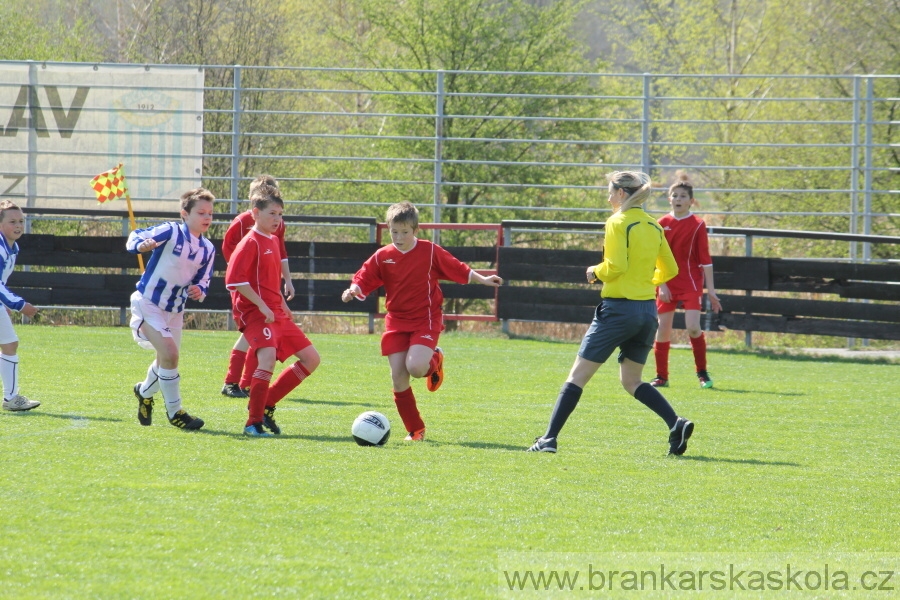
435	380
416	436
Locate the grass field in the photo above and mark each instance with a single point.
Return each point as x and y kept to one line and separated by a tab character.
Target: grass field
790	456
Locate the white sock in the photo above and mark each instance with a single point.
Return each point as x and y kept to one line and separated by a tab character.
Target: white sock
169	385
9	373
150	385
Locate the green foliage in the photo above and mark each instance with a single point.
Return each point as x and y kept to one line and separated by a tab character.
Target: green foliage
48	30
98	506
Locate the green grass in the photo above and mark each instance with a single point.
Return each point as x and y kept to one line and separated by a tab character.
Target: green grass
790	455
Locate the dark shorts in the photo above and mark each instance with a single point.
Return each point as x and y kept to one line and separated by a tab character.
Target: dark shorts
629	325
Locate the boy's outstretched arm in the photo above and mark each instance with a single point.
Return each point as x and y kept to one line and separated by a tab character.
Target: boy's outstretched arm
492	280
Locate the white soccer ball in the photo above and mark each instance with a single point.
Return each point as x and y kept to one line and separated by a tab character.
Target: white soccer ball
371	429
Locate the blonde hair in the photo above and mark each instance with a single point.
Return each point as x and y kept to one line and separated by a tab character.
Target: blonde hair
403	212
6	205
260	181
635	183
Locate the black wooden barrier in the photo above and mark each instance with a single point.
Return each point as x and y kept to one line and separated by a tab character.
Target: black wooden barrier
557	292
541	285
114	289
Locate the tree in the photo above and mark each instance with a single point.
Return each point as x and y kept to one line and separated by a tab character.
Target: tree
499	116
754	138
47	30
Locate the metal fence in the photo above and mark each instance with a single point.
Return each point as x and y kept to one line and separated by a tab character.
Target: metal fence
780	151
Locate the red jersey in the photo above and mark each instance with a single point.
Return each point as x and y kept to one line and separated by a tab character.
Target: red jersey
255	262
410	280
239	228
690	245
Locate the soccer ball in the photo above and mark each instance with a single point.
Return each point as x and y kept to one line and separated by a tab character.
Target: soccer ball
371	429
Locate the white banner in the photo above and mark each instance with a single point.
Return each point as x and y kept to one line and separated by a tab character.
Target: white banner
62	124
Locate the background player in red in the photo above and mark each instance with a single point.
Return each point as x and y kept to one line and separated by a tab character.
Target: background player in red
261	313
240	366
409	270
686	234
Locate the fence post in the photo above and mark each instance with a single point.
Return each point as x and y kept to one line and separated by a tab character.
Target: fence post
748	251
235	138
33	113
438	153
645	125
869	166
373	233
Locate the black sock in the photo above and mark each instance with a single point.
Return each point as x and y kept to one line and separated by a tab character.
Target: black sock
565	404
656	402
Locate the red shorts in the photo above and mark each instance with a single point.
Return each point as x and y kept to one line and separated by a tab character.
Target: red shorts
689	301
400	341
284	335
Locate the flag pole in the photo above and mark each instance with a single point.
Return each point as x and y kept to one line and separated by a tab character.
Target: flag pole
133	227
131	220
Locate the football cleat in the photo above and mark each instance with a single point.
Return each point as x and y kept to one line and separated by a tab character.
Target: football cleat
233	390
659	382
416	436
269	420
256	430
182	420
434	381
543	445
679	435
20	402
145	406
704	378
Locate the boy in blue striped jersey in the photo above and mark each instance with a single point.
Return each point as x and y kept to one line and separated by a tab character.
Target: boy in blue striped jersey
12	226
179	268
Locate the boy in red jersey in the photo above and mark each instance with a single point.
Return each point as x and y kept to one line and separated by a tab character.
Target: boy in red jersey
254	279
239	362
686	234
409	270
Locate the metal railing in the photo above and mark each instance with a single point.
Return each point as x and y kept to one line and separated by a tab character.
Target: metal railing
487	146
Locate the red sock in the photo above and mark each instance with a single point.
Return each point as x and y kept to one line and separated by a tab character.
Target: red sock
235	366
409	413
661	352
250	365
259	390
287	381
698	345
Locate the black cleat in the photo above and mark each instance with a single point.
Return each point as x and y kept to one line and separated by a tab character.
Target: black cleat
233	390
182	420
145	406
679	436
269	420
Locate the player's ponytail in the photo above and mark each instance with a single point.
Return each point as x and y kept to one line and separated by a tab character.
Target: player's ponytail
635	183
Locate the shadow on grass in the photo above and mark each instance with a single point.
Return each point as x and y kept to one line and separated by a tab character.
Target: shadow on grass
862	359
477	445
66	417
283	436
759	392
738	461
329	402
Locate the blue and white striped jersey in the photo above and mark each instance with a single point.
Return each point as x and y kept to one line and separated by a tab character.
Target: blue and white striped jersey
179	261
7	264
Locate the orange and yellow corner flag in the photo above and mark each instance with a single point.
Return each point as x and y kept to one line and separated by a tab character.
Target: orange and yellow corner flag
110	185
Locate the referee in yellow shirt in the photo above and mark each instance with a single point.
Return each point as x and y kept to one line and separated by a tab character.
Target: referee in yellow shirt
636	259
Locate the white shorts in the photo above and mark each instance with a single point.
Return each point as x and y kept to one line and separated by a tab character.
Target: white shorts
147	314
7	333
